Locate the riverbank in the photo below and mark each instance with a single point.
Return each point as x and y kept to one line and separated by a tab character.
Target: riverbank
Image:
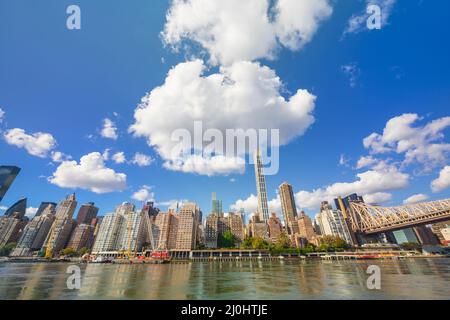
313	257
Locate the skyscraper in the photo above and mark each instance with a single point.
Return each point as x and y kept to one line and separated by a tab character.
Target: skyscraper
263	209
62	227
121	231
34	233
188	224
332	223
288	207
275	228
18	209
7	176
86	213
45	205
305	226
216	205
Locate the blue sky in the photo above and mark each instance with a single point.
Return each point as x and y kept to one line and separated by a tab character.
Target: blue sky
66	82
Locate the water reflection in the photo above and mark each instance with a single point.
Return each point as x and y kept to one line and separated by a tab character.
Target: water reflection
236	280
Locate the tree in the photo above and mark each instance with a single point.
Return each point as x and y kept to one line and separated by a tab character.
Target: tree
83	251
226	240
259	243
247	243
6	250
69	252
283	241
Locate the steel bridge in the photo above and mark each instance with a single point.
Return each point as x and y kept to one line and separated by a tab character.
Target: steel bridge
369	219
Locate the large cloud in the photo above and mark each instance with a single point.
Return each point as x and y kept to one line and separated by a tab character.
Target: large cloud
421	144
244	96
37	144
442	182
90	174
236	30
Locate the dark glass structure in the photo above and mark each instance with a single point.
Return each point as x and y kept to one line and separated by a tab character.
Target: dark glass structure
7	176
18	209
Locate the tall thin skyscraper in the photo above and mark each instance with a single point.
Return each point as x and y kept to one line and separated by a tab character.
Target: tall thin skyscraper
263	209
288	207
216	205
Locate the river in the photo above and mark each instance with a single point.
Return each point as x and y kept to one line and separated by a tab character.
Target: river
401	279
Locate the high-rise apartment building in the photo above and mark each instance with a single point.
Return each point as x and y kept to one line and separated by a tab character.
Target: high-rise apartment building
165	230
188	224
288	207
62	227
13	222
216	225
332	223
257	228
305	226
7	176
275	228
35	233
263	208
81	237
87	213
45	206
121	231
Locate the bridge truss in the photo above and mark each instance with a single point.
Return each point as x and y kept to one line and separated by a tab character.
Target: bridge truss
370	219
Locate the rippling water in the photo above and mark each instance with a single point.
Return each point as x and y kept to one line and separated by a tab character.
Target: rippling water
406	279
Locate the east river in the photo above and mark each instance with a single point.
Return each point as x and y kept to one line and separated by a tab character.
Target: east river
312	279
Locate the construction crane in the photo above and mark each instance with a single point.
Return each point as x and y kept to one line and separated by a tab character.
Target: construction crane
130	251
51	241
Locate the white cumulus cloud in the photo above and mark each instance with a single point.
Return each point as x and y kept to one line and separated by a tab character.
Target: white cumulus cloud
109	129
416	198
144	194
119	157
371	184
236	30
142	160
90	174
2	115
37	144
244	96
443	181
422	144
59	157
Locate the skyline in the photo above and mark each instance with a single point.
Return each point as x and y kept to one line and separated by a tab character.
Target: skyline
385	139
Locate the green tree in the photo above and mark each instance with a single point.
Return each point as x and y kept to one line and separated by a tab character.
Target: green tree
69	252
83	251
7	249
283	241
226	240
247	243
259	243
